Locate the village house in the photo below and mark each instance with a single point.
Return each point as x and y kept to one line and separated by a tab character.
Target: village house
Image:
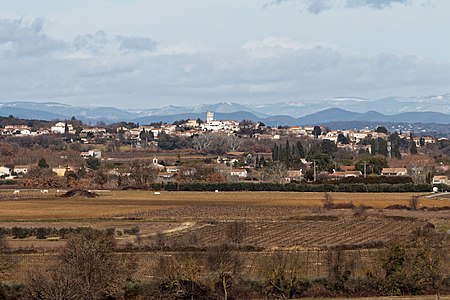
5	171
292	175
241	173
17	130
60	128
168	128
215	125
345	174
21	169
92	153
191	124
394	172
93	130
441	180
263	136
165	176
157	165
172	169
61	170
331	136
155	131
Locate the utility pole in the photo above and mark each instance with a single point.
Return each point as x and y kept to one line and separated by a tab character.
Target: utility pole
315	174
365	169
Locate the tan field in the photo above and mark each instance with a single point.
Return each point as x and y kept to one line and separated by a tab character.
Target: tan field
35	206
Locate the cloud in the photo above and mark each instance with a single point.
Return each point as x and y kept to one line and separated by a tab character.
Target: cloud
27	40
99	69
273	42
319	6
94	43
137	44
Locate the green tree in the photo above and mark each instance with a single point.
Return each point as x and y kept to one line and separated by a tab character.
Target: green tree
42	163
287	153
394	270
93	163
328	147
396	143
317	131
374	165
300	150
275	153
342	139
413	146
381	129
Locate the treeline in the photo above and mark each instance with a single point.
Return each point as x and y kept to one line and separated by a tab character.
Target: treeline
290	187
43	232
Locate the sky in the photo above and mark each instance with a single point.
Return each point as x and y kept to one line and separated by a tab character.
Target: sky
154	53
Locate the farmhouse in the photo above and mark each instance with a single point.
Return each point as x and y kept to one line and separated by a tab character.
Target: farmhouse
5	171
293	175
165	175
92	153
61	170
345	174
60	127
394	172
241	173
172	169
441	180
21	169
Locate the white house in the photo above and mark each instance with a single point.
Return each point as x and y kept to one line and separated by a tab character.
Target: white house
394	172
60	127
92	153
5	171
22	170
441	180
241	173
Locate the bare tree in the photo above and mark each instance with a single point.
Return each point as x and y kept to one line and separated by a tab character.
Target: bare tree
225	264
234	143
87	269
55	283
94	267
203	142
182	275
143	173
282	274
276	172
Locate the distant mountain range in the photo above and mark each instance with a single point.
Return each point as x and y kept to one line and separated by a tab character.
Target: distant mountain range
431	109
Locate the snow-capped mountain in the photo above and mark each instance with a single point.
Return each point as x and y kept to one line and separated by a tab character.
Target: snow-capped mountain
411	109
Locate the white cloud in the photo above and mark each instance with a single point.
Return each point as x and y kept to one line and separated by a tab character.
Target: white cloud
97	69
273	42
22	40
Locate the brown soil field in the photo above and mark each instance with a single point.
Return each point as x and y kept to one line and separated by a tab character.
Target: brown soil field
32	205
275	219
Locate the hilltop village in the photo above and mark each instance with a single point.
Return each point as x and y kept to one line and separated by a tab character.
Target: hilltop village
70	153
